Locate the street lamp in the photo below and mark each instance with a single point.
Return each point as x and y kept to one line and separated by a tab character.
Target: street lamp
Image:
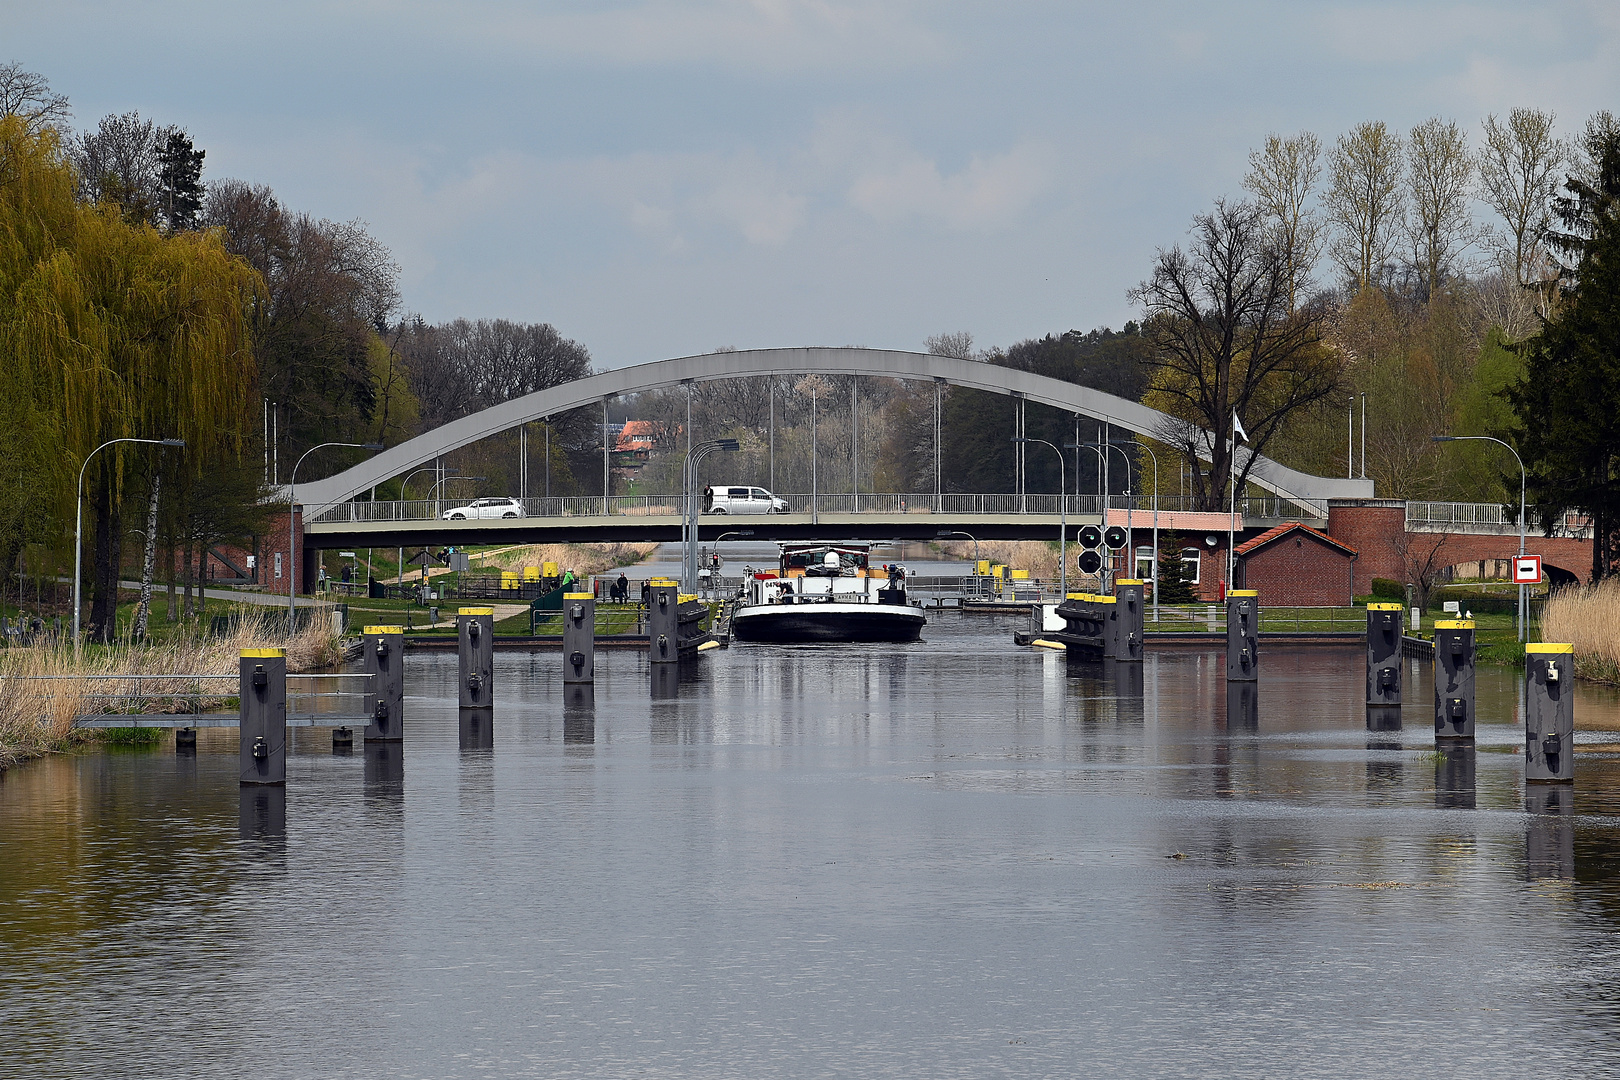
1516	457
78	526
694	457
1063	514
945	534
292	510
433	492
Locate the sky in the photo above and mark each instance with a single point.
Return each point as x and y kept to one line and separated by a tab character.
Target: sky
659	178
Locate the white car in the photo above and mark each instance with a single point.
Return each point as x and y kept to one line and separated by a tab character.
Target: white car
742	500
485	508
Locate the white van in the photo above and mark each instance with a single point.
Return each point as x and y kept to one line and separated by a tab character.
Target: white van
741	500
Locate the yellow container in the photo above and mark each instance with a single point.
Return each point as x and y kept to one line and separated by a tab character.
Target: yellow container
982	568
531	573
1019	575
550	570
998	570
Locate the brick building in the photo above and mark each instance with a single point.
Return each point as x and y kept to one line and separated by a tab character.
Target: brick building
1295	565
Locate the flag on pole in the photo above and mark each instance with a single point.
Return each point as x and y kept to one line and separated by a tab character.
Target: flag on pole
1237	428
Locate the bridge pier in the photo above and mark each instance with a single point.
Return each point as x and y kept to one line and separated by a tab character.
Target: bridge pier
1242	635
262	722
1454	679
384	653
579	638
1384	655
1549	715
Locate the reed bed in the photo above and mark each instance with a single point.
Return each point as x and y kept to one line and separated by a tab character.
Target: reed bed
1036	556
1589	619
582	559
43	688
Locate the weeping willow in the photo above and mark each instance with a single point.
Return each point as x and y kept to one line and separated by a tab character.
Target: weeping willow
108	330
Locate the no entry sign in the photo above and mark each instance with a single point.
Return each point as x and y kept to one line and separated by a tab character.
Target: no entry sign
1526	569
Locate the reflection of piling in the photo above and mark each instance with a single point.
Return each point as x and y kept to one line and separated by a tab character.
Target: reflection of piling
1383	654
1454	679
1242	635
579	638
1242	705
475	652
666	682
262	813
476	728
1128	595
185	740
663	622
579	713
384	654
262	722
385	770
1549	835
1384	718
1454	776
1549	715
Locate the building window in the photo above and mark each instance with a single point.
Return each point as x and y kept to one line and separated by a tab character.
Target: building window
1145	570
1191	560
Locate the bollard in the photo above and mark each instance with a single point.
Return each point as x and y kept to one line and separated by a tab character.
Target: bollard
663	623
475	648
342	740
1454	679
1549	715
1454	776
384	648
1108	612
262	722
579	637
1129	594
1242	635
1383	654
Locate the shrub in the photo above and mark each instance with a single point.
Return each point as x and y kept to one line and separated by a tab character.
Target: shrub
1384	588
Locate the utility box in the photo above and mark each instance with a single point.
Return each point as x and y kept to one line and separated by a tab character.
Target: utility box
1454	679
663	621
1384	654
1130	596
1242	635
475	649
384	656
579	637
1549	716
262	722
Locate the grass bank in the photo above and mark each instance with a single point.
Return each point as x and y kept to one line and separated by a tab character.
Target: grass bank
1589	619
42	687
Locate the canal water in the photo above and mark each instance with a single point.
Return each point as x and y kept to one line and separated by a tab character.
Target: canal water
949	859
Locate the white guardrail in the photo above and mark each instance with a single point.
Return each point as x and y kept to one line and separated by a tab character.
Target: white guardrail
886	504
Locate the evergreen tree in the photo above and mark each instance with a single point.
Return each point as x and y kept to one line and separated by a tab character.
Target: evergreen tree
1172	585
180	188
1568	405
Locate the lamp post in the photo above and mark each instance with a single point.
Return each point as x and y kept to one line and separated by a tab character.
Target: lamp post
78	525
1155	458
292	512
433	492
1516	457
945	534
1063	513
694	458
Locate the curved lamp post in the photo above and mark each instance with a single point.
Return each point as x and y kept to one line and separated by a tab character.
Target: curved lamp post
78	525
292	512
1063	516
433	492
1516	457
694	457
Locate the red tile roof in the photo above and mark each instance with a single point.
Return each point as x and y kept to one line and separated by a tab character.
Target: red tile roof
1283	530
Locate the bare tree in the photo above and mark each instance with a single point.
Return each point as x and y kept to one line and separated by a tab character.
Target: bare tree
958	345
1425	558
1439	174
118	164
1225	342
1282	176
1520	167
28	94
1364	201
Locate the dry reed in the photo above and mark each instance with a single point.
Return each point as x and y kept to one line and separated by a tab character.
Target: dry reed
582	559
1036	556
43	688
1589	619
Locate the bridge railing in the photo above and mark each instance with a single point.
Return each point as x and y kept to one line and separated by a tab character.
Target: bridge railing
888	504
1463	517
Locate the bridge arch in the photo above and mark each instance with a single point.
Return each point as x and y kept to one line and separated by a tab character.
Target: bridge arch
318	495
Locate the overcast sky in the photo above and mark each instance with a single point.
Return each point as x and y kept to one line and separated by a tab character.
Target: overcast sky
662	178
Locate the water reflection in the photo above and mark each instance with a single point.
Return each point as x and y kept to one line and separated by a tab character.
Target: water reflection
957	858
262	818
476	728
1549	834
